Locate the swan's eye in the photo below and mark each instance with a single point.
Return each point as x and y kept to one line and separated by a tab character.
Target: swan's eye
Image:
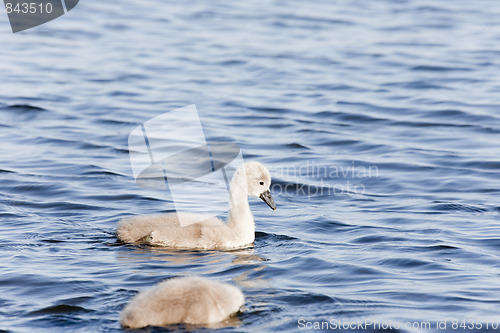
261	183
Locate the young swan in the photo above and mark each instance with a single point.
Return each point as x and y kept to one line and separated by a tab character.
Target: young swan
251	179
190	300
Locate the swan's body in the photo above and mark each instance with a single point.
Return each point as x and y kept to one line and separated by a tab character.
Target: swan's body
252	179
190	300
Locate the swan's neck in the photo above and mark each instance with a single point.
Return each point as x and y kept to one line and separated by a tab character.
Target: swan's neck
240	216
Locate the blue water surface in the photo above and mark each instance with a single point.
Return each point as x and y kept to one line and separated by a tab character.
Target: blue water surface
379	121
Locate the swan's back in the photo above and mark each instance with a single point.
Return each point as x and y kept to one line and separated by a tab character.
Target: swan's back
190	300
165	230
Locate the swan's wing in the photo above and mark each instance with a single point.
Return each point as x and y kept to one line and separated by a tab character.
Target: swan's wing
137	229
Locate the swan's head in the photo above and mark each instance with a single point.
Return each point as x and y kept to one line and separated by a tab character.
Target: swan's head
258	182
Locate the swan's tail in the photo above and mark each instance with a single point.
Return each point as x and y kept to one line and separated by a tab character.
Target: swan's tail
133	229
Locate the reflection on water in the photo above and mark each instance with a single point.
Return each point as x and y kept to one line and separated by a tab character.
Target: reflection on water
210	263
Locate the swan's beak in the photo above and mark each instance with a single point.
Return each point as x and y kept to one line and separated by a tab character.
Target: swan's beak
268	199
